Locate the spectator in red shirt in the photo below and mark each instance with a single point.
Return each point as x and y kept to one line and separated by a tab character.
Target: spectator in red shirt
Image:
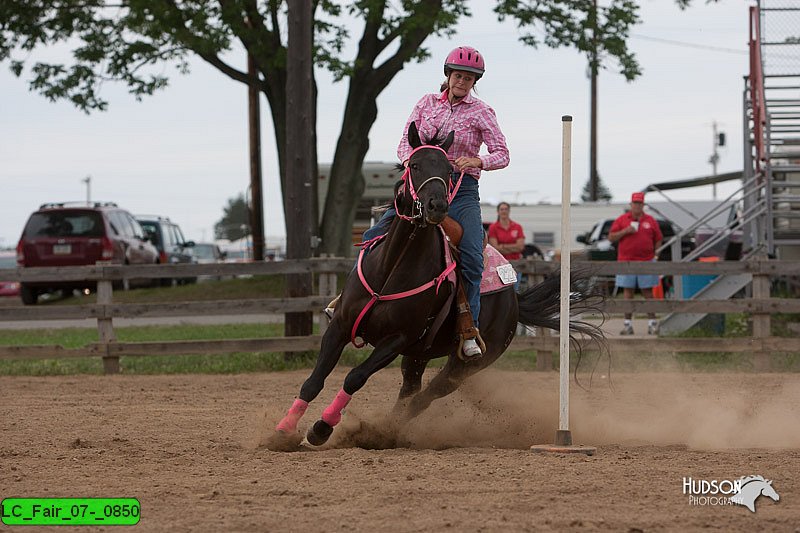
505	235
639	237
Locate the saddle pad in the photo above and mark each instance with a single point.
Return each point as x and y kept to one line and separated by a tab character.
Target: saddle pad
498	273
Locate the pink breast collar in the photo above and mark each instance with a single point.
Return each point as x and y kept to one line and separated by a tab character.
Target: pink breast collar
447	273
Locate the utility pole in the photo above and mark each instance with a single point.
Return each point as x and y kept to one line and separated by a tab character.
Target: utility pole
593	176
88	181
299	164
719	140
256	205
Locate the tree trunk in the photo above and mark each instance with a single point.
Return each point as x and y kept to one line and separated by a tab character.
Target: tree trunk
347	180
300	176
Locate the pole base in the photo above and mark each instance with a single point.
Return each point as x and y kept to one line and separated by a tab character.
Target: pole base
563	444
555	448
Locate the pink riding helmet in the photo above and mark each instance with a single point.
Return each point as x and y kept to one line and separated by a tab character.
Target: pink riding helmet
465	58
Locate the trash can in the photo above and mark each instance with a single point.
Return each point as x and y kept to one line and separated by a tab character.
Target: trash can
694	284
713	322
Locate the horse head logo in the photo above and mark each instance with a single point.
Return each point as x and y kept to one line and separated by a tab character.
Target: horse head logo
751	488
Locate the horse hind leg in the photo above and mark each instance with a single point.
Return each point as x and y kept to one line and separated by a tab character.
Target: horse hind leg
452	376
382	355
412	370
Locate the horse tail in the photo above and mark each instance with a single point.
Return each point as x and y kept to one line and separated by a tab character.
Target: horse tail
540	305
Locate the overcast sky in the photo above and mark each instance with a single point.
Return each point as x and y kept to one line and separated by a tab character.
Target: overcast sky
183	152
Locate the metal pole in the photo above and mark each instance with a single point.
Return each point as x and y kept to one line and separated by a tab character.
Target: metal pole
563	436
563	443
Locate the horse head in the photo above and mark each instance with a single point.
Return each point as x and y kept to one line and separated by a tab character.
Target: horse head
427	178
768	491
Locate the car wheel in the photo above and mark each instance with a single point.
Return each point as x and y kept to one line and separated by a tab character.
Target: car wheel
29	295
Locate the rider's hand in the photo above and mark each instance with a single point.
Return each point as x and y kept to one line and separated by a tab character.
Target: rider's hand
468	162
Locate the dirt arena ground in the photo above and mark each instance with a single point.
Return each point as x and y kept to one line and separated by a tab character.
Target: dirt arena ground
186	447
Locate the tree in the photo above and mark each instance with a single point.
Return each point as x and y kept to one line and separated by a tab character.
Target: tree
602	191
130	42
235	221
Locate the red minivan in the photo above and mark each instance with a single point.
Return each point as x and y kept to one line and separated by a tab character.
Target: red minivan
74	234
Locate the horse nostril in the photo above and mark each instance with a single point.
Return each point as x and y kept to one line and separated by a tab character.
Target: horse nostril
437	205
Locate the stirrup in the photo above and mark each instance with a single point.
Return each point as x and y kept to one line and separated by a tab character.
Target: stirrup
471	349
475	336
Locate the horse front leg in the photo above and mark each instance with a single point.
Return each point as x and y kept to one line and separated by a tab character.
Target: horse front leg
383	354
333	343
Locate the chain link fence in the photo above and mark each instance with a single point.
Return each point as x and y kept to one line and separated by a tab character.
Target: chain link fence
780	37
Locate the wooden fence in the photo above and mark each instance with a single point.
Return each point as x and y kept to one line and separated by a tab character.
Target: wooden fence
759	305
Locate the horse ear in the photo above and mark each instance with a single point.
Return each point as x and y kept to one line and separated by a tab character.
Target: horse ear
400	197
413	136
448	141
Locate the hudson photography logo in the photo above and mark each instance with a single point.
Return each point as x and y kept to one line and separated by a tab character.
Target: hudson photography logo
743	491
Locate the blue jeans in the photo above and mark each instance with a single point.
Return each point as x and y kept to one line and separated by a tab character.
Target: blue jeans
466	210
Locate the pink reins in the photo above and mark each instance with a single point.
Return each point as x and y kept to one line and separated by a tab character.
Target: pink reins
437	281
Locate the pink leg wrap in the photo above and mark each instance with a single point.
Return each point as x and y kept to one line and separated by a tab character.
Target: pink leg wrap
289	422
333	413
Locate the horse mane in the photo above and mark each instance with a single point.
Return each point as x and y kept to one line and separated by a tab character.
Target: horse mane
748	479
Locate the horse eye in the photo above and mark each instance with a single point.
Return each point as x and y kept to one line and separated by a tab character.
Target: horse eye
414	166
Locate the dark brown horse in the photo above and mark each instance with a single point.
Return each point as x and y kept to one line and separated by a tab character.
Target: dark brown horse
410	257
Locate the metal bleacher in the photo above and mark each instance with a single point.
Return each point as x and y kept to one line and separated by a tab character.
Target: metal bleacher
768	202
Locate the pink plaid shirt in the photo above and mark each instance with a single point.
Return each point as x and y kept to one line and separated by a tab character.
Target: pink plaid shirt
474	123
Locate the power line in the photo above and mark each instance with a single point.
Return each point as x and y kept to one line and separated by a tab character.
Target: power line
691	45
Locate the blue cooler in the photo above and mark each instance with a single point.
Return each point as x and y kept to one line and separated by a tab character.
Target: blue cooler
694	284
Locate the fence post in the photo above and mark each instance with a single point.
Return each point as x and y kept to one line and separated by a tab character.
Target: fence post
105	328
761	321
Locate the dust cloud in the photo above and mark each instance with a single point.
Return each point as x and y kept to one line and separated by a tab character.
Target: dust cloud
514	410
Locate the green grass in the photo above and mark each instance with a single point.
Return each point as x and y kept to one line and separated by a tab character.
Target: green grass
181	364
273	286
735	325
78	337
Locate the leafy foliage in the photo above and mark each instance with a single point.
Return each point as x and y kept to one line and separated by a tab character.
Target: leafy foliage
603	192
599	33
134	41
235	222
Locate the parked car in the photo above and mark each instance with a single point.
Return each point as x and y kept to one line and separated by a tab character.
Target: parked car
208	253
74	234
172	247
8	260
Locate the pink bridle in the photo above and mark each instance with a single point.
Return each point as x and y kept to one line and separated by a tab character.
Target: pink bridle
406	177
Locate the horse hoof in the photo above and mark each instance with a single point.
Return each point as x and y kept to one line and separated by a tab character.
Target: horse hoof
319	433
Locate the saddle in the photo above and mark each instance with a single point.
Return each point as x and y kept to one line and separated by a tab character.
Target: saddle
498	274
